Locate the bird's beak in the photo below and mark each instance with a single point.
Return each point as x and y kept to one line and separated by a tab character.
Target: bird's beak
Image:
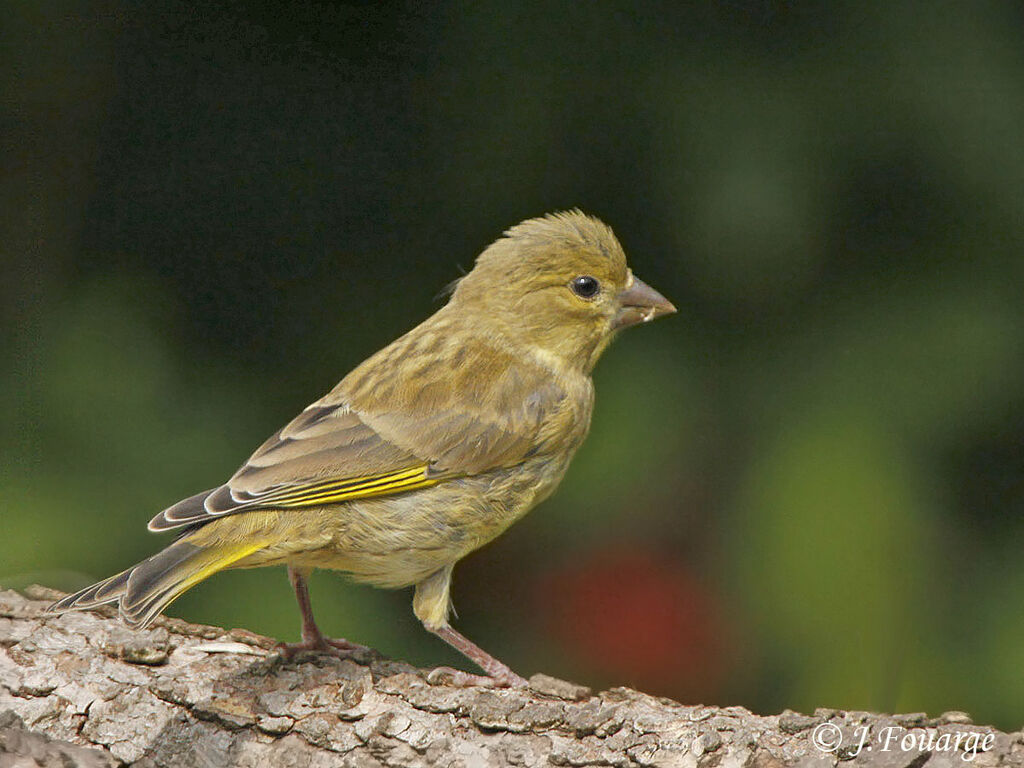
639	303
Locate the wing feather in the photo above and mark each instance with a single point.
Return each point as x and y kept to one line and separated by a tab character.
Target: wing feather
479	411
325	455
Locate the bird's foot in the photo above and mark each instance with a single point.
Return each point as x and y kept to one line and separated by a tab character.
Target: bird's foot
499	675
339	647
505	678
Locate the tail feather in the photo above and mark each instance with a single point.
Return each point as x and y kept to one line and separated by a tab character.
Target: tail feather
106	591
144	591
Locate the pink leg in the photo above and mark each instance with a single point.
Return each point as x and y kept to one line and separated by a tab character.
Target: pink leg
498	675
312	638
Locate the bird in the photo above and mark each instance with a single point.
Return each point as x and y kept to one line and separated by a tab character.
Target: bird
426	451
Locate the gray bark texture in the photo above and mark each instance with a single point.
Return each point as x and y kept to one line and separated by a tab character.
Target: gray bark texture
84	690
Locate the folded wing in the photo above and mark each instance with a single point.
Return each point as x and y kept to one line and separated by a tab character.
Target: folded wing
326	455
361	442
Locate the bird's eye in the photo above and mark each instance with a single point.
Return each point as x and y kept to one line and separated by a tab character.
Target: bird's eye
585	286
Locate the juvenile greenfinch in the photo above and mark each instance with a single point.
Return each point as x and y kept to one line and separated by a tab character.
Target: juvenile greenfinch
426	451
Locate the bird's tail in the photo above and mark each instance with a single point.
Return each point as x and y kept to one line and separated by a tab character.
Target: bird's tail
145	590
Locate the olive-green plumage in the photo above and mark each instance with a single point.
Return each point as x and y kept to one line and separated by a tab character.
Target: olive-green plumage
426	451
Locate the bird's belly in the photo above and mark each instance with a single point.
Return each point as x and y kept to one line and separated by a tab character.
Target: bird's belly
397	541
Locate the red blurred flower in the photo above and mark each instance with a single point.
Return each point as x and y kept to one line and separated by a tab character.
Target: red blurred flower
639	618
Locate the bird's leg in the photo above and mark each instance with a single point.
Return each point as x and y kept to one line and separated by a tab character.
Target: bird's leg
498	674
432	604
312	638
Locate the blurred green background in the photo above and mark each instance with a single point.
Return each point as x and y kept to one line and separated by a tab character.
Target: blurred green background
803	490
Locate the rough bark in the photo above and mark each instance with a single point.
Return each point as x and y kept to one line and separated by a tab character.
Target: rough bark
83	690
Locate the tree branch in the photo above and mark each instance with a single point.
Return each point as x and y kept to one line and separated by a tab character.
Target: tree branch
84	690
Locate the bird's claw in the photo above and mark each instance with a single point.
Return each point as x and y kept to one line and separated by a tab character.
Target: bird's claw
339	647
456	677
344	645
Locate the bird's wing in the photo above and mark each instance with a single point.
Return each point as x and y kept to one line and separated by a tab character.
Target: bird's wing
336	451
327	454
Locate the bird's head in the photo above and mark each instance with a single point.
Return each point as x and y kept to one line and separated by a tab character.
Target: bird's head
559	284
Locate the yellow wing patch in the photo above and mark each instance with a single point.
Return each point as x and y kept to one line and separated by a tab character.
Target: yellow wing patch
335	491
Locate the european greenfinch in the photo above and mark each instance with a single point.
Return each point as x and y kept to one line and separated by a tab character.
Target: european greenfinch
426	451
